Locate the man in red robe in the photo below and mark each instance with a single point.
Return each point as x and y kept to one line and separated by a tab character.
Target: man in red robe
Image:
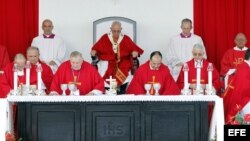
115	52
198	56
232	58
6	82
32	56
80	73
4	57
237	95
152	72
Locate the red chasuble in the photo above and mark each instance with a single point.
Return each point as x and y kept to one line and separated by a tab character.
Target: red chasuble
7	81
86	79
145	75
204	75
231	59
4	57
237	94
118	65
47	75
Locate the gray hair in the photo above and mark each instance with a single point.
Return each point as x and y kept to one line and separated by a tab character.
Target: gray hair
116	23
186	20
75	54
47	20
33	48
199	46
19	56
241	34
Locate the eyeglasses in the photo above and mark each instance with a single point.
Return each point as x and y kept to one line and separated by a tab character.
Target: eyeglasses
197	54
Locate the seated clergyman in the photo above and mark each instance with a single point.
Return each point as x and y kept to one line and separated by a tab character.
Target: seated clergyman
80	73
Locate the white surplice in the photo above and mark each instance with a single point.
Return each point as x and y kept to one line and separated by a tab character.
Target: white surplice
179	50
50	49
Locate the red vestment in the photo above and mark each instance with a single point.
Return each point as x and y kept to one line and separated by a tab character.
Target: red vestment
204	75
237	94
7	81
86	79
145	75
119	64
231	59
4	57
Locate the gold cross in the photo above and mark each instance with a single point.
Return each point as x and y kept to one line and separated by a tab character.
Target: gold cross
238	61
75	82
151	91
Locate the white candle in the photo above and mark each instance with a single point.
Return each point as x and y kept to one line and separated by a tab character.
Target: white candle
209	80
185	80
39	80
198	75
39	77
28	74
185	69
210	76
15	77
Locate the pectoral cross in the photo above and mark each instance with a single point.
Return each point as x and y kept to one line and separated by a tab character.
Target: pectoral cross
152	91
75	82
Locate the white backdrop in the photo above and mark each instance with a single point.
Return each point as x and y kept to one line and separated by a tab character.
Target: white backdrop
157	20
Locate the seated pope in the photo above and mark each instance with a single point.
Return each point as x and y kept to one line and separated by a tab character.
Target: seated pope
116	55
153	74
79	73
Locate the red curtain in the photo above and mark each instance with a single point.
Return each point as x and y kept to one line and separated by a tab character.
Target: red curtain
18	24
218	21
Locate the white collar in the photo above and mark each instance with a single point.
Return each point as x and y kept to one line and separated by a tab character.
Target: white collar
243	49
195	63
115	45
110	35
20	73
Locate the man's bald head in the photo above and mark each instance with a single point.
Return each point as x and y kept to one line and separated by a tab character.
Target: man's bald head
47	26
240	40
20	61
155	60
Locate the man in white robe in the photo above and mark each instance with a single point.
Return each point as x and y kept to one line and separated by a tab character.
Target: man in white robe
180	47
52	48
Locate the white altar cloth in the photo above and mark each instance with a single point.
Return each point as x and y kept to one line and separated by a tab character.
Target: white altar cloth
217	121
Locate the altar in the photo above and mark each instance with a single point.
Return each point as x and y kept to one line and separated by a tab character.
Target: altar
113	118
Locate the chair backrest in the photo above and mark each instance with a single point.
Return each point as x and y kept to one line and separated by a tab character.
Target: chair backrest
102	26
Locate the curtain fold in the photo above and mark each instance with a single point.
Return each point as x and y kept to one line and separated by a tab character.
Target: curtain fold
18	24
218	22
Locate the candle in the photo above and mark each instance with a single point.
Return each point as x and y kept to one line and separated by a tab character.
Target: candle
198	75
27	74
39	77
209	80
185	69
15	76
210	69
